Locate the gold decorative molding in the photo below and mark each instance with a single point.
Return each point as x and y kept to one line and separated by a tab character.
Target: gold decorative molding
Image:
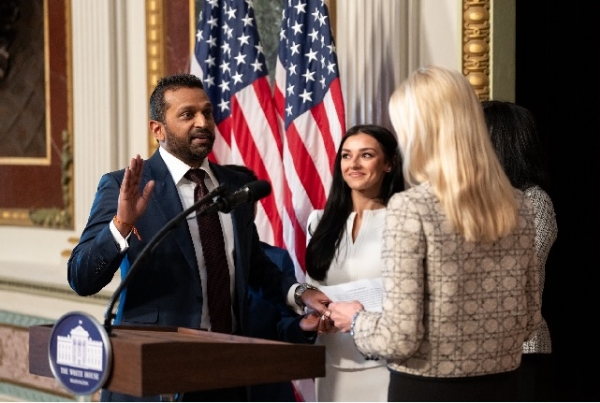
476	45
332	7
193	17
14	216
68	180
155	52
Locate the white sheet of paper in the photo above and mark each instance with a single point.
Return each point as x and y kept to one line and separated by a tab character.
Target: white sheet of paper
368	291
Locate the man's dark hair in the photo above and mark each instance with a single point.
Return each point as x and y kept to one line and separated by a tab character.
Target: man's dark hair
158	105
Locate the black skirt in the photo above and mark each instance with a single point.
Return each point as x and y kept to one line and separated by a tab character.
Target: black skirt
486	388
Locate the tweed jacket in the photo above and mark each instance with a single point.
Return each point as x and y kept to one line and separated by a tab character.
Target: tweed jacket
451	308
546	232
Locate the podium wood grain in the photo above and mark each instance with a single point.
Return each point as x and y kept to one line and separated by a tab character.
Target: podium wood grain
152	360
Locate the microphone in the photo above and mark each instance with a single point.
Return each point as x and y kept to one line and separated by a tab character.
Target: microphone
249	193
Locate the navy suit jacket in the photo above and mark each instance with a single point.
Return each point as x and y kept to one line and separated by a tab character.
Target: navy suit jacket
166	291
267	318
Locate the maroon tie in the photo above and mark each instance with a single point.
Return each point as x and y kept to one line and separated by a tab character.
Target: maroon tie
217	271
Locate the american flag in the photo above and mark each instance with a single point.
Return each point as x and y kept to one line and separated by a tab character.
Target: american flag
229	58
310	108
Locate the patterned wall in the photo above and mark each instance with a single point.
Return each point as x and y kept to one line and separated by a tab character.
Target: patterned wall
16	383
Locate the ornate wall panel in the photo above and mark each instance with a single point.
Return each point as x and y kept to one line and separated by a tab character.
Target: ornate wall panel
36	122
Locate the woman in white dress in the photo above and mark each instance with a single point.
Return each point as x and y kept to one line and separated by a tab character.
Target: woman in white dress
345	245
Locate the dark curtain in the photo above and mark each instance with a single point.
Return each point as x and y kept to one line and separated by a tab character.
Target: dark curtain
557	71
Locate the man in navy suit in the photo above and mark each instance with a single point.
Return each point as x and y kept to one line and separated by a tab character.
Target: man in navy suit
133	204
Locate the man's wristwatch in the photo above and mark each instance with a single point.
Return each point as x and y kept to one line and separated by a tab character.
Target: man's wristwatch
299	291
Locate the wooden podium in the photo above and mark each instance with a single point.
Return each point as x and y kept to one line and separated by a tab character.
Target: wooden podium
155	360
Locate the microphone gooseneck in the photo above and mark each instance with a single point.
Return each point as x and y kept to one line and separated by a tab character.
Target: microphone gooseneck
145	253
221	201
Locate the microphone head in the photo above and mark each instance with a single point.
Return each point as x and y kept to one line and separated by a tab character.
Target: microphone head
257	190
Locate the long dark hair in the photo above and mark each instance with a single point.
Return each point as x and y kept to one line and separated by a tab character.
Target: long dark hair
326	237
514	134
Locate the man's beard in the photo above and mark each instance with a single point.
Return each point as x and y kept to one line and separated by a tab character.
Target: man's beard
183	148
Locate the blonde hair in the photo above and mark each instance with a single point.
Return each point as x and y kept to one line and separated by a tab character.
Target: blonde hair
444	141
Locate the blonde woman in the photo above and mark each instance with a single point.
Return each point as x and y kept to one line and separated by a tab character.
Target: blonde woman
460	265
